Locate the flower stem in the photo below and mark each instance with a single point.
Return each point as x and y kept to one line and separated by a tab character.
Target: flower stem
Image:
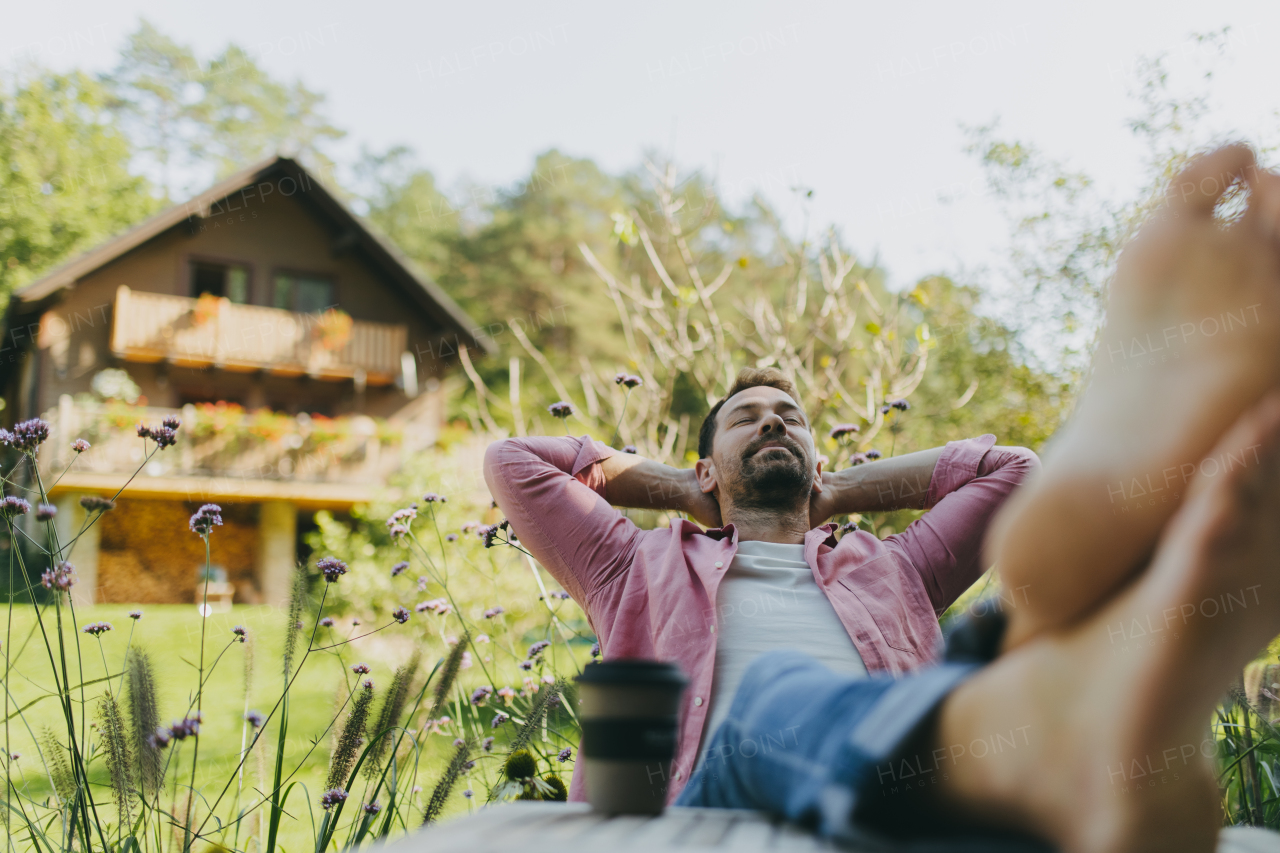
195	749
617	429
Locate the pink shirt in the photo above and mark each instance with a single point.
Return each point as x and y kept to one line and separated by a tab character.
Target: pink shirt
652	593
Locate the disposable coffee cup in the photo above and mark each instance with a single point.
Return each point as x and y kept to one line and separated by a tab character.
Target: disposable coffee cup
629	711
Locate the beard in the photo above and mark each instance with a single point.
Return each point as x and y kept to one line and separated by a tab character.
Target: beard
771	480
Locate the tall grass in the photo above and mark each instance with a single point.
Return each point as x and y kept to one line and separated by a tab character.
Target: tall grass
376	770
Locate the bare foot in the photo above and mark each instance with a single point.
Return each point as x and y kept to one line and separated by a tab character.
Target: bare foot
1115	754
1192	339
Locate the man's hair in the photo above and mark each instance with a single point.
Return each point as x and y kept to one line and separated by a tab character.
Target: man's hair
748	377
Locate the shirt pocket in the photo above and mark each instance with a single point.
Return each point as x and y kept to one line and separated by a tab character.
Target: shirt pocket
895	604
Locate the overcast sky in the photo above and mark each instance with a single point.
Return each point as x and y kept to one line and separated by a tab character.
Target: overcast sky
860	102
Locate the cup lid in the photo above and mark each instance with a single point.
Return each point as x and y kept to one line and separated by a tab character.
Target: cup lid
632	671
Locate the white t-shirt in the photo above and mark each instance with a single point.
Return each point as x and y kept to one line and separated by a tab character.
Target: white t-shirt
769	599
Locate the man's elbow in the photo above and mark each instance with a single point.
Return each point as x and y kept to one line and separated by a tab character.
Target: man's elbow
497	456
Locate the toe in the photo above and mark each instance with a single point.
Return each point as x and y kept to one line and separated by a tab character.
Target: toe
1201	185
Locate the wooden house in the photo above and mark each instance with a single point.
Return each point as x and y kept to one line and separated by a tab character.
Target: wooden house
301	352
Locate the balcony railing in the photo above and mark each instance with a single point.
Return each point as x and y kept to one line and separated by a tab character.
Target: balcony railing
202	332
220	441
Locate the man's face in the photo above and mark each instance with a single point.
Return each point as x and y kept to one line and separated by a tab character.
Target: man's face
763	454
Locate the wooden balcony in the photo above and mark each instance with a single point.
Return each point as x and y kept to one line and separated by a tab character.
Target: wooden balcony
153	327
222	454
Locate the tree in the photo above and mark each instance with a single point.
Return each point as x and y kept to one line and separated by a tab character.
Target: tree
66	184
405	204
1065	234
193	120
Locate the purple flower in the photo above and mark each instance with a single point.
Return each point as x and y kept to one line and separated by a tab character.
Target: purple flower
80	445
360	669
451	537
884	410
469	526
367	684
399	568
327	622
562	595
240	632
432	497
396	530
538	648
560	409
401	518
499	718
526	664
873	454
44	512
329	799
163	435
840	431
628	380
435	605
492	612
487	744
135	615
185	728
565	755
94	503
468	793
488	533
14	756
372	808
11	506
630	448
480	695
60	577
900	405
332	568
205	519
27	435
172	422
458	742
595	650
254	718
97	629
847	526
160	738
400	615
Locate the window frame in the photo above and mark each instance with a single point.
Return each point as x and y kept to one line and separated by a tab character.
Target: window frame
189	265
296	273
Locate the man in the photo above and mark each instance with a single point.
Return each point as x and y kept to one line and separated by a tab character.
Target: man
1090	730
767	573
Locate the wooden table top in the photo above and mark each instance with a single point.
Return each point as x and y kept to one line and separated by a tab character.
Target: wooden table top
534	827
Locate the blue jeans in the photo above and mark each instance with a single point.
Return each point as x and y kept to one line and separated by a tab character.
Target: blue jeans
843	756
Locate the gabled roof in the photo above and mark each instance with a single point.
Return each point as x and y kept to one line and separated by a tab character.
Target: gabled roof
354	231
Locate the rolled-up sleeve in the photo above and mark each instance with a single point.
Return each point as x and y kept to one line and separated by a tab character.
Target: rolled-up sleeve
552	490
971	480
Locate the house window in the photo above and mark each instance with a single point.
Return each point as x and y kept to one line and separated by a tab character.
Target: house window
307	294
229	280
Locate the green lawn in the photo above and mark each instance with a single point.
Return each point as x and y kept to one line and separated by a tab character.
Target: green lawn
171	634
